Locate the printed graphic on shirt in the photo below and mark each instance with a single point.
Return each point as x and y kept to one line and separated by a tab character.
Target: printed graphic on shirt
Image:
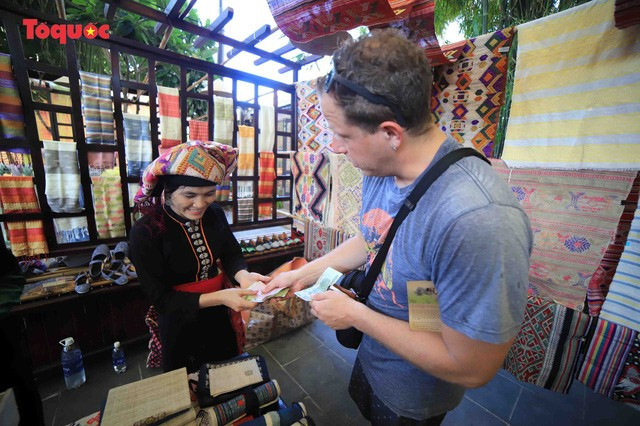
375	227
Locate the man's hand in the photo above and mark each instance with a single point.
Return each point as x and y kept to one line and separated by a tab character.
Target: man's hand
287	279
335	309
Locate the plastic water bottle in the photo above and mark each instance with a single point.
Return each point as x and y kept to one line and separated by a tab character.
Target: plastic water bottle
72	366
119	364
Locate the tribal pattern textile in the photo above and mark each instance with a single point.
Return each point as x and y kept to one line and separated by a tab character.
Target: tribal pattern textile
62	176
137	143
606	356
223	120
574	216
198	130
311	175
602	278
107	203
267	181
621	305
304	20
170	118
71	229
18	195
346	195
11	113
223	190
546	349
627	389
320	240
468	94
27	238
313	130
266	123
246	147
245	209
97	108
575	94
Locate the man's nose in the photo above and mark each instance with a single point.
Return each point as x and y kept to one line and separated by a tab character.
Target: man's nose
338	147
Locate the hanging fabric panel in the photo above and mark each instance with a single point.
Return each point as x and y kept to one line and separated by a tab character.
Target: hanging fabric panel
313	129
107	202
545	351
575	96
267	162
71	229
18	195
11	113
198	130
27	238
137	143
97	108
606	356
468	94
170	119
320	240
246	156
627	389
223	119
62	176
311	175
574	216
346	195
622	305
267	135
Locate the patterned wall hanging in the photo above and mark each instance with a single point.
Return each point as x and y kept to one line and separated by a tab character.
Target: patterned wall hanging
574	216
62	176
346	195
468	94
107	203
627	390
11	113
170	119
606	356
198	130
137	143
223	119
320	240
246	146
622	304
97	108
313	130
545	351
267	176
311	185
576	90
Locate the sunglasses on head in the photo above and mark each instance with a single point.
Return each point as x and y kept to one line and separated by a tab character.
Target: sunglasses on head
333	77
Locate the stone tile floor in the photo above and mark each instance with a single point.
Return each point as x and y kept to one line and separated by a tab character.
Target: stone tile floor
313	368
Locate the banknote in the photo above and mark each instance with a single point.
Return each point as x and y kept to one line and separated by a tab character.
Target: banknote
328	277
261	297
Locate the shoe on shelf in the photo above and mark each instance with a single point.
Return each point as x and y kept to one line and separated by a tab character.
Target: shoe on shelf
82	283
99	257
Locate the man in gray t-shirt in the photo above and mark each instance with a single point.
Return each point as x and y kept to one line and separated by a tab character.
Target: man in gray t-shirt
467	236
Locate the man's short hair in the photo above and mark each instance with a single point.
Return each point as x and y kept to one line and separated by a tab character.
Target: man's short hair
389	65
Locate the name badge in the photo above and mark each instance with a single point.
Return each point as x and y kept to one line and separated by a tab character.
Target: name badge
424	311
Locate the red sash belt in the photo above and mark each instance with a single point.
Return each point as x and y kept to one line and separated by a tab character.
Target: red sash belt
206	286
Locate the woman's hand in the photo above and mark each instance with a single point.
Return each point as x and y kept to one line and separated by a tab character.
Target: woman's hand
246	278
231	297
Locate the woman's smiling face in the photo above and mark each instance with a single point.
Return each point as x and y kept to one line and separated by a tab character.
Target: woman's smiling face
191	202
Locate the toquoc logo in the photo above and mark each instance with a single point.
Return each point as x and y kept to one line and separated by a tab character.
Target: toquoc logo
62	32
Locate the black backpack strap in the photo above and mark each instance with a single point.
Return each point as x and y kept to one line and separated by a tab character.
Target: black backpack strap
409	204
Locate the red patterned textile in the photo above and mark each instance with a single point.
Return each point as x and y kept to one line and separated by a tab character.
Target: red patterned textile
154	359
198	130
267	173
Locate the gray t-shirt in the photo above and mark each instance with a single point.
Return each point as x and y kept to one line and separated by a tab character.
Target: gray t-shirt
469	236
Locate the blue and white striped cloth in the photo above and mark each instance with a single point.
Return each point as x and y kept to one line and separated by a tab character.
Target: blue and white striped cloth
137	143
622	305
97	108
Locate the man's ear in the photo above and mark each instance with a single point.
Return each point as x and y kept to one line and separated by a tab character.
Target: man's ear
392	131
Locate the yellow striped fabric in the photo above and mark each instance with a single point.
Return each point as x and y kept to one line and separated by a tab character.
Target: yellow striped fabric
576	95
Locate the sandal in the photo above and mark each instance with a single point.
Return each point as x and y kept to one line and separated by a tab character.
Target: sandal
82	283
100	255
115	277
129	270
118	255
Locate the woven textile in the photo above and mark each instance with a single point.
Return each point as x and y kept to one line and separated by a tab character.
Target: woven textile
11	113
97	108
137	143
313	129
101	160
267	162
602	278
223	190
71	229
304	20
245	209
267	135
346	195
27	238
627	389
311	185
622	304
170	118
576	90
107	203
546	349
606	356
320	240
223	119
246	147
468	94
62	176
574	216
18	195
198	130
